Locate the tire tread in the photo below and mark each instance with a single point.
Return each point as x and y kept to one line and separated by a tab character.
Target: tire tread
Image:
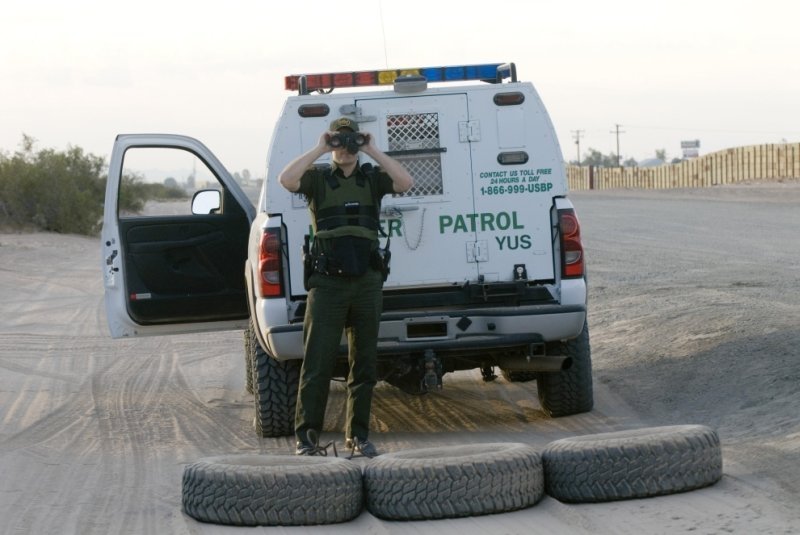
632	464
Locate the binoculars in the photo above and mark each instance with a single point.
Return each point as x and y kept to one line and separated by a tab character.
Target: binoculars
351	141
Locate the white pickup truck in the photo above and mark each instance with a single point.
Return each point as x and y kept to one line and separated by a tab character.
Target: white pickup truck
488	270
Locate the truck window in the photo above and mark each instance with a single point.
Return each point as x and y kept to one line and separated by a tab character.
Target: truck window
159	181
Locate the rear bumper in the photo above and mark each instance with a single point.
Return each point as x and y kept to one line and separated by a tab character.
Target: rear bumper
469	329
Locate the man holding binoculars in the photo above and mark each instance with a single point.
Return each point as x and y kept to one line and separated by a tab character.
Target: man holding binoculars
345	286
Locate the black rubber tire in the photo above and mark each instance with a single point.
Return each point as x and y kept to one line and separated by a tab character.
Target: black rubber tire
272	490
570	391
451	482
249	357
275	385
632	464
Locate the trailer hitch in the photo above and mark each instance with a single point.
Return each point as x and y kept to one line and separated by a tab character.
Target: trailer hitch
487	373
432	377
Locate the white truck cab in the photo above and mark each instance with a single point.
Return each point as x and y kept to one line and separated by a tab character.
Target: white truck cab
487	264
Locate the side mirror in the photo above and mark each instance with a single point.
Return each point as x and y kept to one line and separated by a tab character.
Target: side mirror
206	201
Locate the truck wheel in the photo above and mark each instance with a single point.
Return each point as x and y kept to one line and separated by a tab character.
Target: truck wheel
249	356
632	464
275	387
569	391
517	377
451	482
272	490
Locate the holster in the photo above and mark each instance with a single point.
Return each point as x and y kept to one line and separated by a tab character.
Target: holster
308	263
381	259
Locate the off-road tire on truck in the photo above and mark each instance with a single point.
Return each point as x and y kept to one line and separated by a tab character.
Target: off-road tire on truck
451	482
632	464
275	387
272	490
249	356
570	391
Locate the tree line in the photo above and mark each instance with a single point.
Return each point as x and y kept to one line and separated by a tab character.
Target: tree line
593	157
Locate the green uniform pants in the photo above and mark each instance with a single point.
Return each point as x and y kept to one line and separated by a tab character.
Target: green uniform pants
335	305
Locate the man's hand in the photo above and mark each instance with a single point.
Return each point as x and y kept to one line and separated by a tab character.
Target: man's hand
369	147
401	178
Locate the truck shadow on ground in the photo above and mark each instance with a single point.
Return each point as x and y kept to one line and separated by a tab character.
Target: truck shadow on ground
467	409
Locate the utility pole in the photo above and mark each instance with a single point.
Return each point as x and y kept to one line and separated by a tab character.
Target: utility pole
618	132
577	136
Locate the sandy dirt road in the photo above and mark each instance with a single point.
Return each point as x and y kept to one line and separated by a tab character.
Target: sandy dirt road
694	317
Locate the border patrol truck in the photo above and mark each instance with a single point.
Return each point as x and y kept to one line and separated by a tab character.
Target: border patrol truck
487	265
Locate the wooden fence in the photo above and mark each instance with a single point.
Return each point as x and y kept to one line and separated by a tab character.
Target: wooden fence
756	162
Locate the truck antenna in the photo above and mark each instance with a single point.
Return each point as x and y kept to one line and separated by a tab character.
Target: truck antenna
383	32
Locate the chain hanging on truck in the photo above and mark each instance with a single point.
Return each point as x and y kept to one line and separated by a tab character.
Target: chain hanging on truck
419	235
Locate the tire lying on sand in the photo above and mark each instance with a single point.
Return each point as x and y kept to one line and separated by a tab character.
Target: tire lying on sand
632	464
451	482
272	490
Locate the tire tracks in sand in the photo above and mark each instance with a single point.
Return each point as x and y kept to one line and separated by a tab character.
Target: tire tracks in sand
129	420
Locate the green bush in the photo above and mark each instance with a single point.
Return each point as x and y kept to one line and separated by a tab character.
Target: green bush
134	193
64	191
54	191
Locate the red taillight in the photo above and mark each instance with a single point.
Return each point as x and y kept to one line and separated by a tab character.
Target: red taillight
269	264
571	247
509	99
313	110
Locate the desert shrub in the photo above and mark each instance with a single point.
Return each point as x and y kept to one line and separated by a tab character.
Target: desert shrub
63	191
52	190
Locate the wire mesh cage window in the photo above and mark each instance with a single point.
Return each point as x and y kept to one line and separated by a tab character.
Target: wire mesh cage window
414	142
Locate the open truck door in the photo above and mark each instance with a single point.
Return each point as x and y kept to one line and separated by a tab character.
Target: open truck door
173	266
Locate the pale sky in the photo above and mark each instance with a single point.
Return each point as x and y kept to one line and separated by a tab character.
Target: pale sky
79	72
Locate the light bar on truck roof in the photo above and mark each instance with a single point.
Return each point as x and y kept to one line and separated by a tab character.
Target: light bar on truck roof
490	72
